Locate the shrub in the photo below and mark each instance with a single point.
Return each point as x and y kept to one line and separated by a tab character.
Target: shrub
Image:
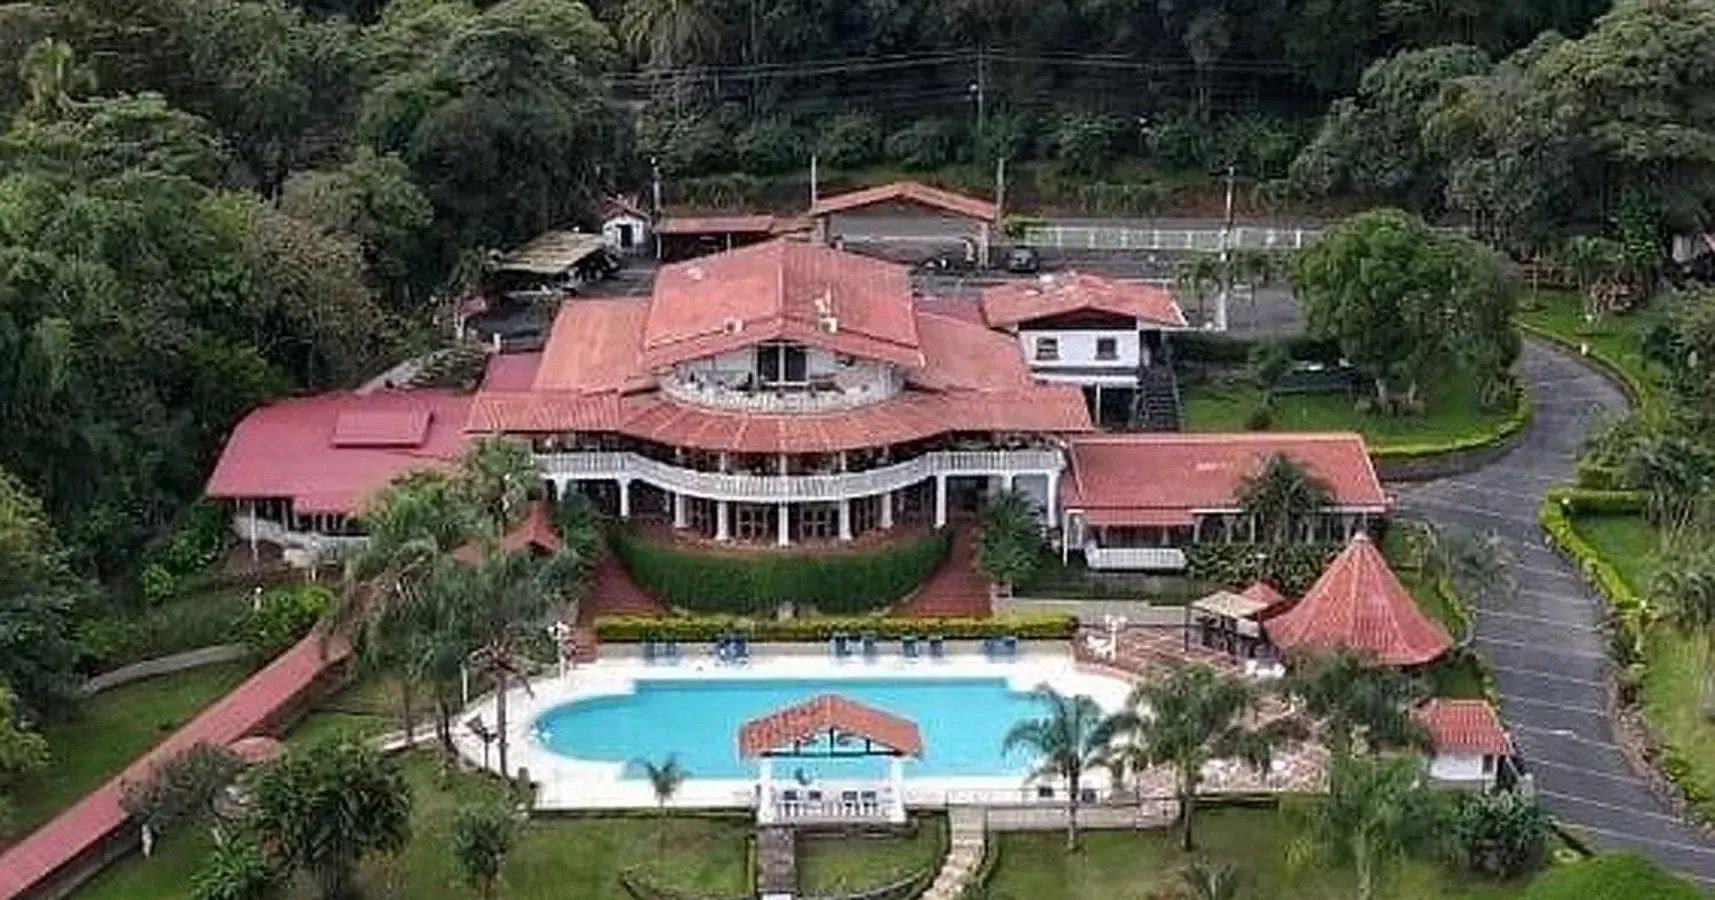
767	146
733	189
281	616
158	584
924	144
1292	568
1131	199
200	536
1085	142
753	583
1610	876
1260	418
1502	834
849	141
1181	141
1035	626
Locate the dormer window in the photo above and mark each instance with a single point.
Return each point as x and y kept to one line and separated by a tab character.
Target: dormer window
1047	349
782	364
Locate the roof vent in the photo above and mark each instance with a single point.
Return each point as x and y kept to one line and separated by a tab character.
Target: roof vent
830	324
733	325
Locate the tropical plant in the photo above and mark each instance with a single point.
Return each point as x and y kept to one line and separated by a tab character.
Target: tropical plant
1502	834
482	836
51	75
501	477
1067	742
181	789
323	807
1010	542
21	751
1377	811
1269	360
1282	500
1478	565
1684	589
665	777
1355	703
1591	259
1184	720
1198	276
1211	881
235	870
670	34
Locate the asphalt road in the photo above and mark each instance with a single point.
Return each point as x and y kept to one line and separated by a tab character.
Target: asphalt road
1544	643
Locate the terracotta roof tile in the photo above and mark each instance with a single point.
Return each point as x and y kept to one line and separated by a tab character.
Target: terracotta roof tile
1203	471
716	225
1359	604
1264	592
816	717
959	354
301	448
1014	302
511	371
911	192
1465	727
594	346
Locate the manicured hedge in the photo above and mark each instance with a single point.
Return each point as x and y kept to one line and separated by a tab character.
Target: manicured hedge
1523	410
755	583
1636	390
694	629
1629	610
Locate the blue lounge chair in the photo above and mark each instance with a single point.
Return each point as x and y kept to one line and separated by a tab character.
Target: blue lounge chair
648	651
908	646
1009	646
868	646
740	650
672	650
841	646
990	647
937	647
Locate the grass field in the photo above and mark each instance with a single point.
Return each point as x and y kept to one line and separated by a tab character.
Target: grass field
1130	864
115	727
1453	413
1619	338
837	864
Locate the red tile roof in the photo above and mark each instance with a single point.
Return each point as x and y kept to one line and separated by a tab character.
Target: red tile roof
595	346
328	452
910	192
1122	479
816	717
1359	604
1026	300
249	707
511	371
1263	592
959	354
815	295
1464	727
716	225
534	530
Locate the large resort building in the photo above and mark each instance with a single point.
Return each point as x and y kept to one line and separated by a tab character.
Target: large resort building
792	394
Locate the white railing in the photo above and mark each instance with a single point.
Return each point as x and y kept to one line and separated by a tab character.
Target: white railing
310	547
830	398
1159	559
788	488
1099	237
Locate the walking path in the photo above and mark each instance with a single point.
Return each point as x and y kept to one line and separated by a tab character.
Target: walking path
965	851
1545	644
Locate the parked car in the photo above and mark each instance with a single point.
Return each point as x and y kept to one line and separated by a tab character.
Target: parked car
1023	261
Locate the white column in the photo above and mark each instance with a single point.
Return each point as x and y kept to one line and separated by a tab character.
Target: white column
1053	496
723	523
765	792
845	520
251	505
680	516
940	501
896	778
784	537
1006	483
887	511
625	498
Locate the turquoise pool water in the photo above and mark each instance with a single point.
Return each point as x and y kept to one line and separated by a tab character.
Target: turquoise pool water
962	722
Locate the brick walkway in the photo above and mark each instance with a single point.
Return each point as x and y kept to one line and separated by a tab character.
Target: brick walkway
955	589
613	593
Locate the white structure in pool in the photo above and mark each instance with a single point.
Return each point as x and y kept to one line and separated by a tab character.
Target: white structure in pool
569	782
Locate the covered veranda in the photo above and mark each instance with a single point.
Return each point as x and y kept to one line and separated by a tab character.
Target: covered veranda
829	727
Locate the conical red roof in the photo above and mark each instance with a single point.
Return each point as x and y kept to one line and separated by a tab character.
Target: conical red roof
1359	604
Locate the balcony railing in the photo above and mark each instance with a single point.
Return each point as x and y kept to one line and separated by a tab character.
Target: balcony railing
1154	559
845	391
790	488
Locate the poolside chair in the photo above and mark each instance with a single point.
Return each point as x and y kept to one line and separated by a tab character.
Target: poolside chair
937	647
991	646
741	649
1009	646
672	651
839	642
869	646
648	651
908	646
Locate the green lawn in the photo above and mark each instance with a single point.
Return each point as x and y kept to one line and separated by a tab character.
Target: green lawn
365	708
569	857
837	864
115	727
1120	865
1670	693
1224	403
1618	338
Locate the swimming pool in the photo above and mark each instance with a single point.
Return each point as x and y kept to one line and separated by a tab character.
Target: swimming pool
963	722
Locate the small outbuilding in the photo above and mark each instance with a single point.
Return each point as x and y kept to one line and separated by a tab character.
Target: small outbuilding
1471	745
908	211
688	237
1359	604
625	227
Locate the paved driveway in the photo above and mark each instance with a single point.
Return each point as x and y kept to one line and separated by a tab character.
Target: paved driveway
1543	644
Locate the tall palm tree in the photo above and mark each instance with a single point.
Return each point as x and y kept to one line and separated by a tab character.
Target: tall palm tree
1067	743
507	596
1353	701
671	34
665	778
1186	719
1282	499
1376	811
1591	259
1198	276
1479	565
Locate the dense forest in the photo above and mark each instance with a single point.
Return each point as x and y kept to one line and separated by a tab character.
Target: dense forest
207	203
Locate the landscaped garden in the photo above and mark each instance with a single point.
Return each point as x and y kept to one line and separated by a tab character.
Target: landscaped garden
833	864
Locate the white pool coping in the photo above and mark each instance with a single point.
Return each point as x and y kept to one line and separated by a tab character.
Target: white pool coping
569	783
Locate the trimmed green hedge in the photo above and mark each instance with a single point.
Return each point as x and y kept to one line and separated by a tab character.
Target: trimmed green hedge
1639	392
1628	613
1039	626
755	583
1523	410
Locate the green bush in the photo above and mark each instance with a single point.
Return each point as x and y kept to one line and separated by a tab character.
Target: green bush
1292	568
1610	876
122	636
1227	350
1502	834
692	629
200	536
849	141
157	584
1085	142
767	146
282	616
925	144
1260	417
755	583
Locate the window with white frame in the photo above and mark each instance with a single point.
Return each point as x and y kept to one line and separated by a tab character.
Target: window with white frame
1107	349
1047	349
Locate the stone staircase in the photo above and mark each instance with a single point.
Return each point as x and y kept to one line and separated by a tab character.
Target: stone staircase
776	862
1158	406
969	832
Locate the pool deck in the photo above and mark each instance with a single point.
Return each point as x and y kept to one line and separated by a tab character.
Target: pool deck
568	783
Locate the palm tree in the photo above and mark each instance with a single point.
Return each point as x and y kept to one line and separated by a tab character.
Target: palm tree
1377	810
1684	586
51	73
1009	544
1479	565
1591	259
506	598
671	35
501	477
1207	881
1186	719
665	778
1197	276
1354	701
1281	497
1258	268
1067	743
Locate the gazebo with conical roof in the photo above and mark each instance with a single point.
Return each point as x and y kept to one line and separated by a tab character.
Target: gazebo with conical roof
1359	604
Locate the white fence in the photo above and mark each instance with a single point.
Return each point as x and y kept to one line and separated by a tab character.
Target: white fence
1207	240
1151	559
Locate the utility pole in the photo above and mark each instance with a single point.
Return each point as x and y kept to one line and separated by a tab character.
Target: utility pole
655	194
1226	256
813	190
980	89
1000	185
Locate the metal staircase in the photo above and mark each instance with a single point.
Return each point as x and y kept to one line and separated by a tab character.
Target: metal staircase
1158	405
